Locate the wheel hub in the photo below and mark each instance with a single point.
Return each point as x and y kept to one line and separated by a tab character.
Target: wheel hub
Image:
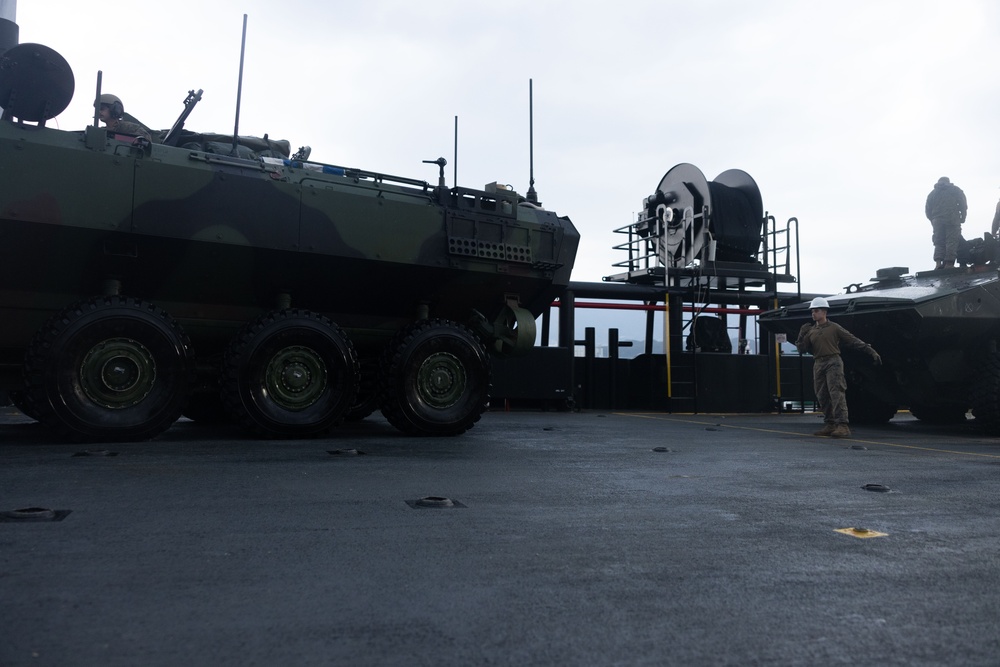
296	377
441	380
118	373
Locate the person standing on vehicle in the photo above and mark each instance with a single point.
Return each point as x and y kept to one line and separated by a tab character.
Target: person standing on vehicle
996	220
823	339
946	208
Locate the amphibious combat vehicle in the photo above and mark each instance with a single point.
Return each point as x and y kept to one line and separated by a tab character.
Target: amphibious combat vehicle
140	281
937	334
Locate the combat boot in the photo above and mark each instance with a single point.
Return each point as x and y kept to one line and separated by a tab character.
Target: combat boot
827	429
841	431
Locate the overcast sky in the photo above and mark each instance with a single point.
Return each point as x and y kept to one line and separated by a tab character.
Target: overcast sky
844	113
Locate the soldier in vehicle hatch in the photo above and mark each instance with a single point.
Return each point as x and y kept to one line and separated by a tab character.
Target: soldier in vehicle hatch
823	339
112	113
946	208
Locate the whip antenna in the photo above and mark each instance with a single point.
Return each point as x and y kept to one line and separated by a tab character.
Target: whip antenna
239	88
532	195
454	164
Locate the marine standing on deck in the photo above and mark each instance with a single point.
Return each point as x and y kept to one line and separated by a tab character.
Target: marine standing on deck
112	111
823	339
946	208
996	220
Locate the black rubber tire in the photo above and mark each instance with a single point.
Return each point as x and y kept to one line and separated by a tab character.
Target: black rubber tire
290	374
939	414
434	379
367	399
985	394
112	369
863	406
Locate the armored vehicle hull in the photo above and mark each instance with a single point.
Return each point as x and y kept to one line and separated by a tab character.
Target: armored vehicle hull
138	282
937	334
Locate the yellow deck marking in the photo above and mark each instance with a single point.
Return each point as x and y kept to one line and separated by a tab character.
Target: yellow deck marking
860	533
796	433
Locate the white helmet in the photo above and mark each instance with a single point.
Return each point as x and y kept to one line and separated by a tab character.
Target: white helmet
819	302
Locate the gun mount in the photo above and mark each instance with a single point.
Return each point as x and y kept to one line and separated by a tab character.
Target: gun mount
140	282
173	135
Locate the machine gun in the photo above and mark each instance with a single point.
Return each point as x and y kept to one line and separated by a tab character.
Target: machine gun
173	136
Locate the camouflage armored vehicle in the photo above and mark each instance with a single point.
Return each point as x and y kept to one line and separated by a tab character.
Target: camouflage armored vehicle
937	332
141	281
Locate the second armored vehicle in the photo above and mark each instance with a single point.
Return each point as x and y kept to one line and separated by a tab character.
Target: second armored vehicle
937	332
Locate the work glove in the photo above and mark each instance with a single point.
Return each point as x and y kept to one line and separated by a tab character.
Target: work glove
804	334
877	360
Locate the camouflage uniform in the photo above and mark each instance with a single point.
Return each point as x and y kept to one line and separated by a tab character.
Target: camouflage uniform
127	127
946	208
824	342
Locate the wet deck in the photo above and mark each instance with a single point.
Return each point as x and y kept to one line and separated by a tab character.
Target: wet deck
570	540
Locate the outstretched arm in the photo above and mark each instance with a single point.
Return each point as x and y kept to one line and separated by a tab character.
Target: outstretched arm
852	342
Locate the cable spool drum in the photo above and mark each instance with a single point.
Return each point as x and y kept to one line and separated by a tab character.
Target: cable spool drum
683	188
737	215
735	212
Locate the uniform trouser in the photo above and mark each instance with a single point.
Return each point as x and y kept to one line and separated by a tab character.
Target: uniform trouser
947	233
831	388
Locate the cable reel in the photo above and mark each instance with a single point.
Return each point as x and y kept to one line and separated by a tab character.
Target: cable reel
694	219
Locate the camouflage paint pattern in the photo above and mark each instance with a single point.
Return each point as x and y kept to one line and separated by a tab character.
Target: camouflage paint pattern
217	241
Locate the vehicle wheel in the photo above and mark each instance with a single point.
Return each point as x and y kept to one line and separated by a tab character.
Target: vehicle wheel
290	374
939	414
985	395
435	379
367	400
863	406
112	369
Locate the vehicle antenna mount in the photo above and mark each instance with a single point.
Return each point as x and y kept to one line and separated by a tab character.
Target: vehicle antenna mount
440	162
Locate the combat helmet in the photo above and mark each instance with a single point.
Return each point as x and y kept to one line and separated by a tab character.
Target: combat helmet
114	104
